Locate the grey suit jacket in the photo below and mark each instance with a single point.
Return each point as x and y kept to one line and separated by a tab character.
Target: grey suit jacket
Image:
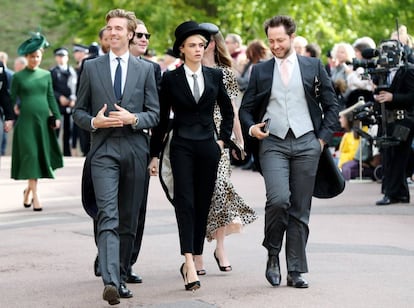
95	89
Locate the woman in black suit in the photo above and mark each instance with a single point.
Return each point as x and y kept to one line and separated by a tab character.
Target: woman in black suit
195	148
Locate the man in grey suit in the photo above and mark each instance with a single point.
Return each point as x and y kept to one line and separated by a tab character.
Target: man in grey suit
296	94
118	103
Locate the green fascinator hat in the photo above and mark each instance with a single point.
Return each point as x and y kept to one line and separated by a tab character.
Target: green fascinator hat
36	42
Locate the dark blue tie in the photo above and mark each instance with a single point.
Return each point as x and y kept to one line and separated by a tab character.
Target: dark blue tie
117	80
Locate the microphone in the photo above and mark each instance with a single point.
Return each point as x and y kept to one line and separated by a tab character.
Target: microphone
369	53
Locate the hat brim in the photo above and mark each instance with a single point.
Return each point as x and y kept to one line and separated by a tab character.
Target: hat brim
178	42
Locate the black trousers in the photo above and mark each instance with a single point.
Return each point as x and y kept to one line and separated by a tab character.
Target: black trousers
395	161
67	134
141	225
194	166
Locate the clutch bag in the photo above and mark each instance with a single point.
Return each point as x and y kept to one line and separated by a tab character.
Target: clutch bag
51	121
237	150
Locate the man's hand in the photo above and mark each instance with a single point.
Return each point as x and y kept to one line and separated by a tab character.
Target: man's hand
383	97
102	121
64	101
256	131
126	117
8	125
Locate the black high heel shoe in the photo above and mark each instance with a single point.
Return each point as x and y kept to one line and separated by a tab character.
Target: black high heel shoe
182	275
227	268
189	286
26	205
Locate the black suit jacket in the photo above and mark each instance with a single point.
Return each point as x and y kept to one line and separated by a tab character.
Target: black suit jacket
5	101
176	95
402	88
322	105
157	72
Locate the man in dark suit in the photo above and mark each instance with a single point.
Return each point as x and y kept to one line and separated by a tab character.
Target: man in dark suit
64	80
399	108
296	93
138	48
117	102
6	108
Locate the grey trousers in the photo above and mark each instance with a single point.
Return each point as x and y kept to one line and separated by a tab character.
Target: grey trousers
289	168
118	172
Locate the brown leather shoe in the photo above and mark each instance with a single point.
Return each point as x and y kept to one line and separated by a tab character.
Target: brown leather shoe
111	295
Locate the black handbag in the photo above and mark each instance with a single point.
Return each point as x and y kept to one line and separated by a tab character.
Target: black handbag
237	150
51	121
329	181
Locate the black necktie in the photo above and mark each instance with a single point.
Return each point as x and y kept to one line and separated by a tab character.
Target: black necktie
117	80
196	89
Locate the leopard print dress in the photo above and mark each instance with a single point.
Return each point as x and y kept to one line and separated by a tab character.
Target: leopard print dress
227	208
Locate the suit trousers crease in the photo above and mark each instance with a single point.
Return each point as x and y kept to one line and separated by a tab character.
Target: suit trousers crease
194	166
118	172
289	168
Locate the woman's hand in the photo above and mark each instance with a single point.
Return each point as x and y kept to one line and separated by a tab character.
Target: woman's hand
221	144
153	166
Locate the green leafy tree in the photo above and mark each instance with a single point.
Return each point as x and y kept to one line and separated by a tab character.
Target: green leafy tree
320	21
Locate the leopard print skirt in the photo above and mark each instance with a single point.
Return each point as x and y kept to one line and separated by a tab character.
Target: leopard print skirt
227	208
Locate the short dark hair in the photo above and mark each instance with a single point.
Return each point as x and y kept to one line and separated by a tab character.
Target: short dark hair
281	20
314	50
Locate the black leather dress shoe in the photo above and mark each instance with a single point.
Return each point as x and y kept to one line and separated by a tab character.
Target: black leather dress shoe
96	268
124	292
295	279
133	278
388	200
111	295
273	271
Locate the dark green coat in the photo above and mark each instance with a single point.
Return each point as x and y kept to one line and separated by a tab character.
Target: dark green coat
36	152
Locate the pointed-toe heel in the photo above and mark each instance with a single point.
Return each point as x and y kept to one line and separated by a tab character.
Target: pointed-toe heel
192	286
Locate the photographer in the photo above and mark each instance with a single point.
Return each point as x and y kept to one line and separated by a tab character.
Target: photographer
398	100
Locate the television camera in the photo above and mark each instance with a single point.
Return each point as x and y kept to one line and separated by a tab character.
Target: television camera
377	65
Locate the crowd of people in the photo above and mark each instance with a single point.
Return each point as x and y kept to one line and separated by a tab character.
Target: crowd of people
190	116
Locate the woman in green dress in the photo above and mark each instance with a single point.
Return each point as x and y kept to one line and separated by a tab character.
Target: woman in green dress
36	152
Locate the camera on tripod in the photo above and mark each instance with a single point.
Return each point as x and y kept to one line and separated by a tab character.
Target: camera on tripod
389	55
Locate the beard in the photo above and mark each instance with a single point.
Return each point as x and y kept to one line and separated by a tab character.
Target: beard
282	54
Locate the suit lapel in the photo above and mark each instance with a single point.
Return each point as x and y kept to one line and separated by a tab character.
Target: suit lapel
182	81
208	82
104	75
131	78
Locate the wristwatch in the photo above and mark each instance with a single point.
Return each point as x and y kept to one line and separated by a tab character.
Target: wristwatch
135	124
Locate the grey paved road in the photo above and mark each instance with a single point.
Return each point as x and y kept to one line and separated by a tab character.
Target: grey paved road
360	255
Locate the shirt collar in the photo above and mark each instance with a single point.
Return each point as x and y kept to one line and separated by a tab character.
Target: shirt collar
124	57
291	58
189	72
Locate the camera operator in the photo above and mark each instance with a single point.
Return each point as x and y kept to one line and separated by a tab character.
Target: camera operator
398	101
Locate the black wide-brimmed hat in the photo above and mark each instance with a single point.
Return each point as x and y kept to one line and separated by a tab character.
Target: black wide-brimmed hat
36	42
185	30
